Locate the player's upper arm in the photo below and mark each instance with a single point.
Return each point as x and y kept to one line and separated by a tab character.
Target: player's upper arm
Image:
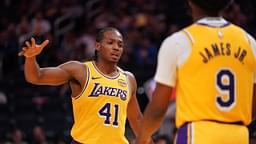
173	53
253	45
59	75
132	83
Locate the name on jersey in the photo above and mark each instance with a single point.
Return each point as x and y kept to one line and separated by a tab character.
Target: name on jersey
100	90
222	49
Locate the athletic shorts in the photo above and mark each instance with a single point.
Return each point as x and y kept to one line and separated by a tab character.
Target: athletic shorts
210	132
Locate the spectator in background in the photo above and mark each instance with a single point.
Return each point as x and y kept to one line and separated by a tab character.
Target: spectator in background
23	26
39	136
87	41
23	29
39	24
3	99
17	137
145	53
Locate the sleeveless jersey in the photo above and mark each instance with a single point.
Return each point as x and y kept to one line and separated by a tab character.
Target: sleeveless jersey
100	110
216	81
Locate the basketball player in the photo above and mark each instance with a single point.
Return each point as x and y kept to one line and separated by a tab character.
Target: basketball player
103	95
212	65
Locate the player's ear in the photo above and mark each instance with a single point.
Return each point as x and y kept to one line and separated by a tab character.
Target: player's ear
97	46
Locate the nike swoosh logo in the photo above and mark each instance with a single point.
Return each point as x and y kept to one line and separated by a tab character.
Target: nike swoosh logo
95	78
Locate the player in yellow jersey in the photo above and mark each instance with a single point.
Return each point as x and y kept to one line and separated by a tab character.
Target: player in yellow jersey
212	64
103	95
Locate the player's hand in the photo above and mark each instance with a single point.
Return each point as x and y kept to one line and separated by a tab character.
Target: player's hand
32	49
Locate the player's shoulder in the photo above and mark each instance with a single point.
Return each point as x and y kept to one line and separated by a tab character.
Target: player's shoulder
126	73
173	43
250	37
131	80
73	65
130	76
175	37
74	62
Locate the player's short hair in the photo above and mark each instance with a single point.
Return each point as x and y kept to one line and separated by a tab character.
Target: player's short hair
100	34
212	7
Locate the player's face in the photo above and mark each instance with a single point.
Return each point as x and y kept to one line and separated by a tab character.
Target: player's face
111	46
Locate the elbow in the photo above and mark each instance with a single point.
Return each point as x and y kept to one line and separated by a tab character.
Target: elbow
31	80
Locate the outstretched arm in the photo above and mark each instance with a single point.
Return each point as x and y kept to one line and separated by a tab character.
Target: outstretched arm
154	113
134	114
42	76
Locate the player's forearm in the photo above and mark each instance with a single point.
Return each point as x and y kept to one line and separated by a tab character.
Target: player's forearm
134	115
135	123
31	70
150	123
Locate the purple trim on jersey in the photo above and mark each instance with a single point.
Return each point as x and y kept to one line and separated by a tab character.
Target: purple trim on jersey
182	135
224	25
108	77
88	79
74	142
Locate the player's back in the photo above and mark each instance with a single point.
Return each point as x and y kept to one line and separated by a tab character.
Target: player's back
216	81
100	110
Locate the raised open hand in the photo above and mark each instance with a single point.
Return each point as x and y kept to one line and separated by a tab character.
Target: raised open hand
32	49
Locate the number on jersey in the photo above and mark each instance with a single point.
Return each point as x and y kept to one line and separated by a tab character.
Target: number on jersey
105	112
226	83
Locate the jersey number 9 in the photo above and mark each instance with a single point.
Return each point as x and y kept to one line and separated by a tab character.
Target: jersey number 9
225	80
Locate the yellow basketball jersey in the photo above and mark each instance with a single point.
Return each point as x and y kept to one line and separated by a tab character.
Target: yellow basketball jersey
100	111
216	81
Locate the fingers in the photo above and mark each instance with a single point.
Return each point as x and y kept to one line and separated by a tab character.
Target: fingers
33	41
27	44
32	49
24	48
21	53
45	43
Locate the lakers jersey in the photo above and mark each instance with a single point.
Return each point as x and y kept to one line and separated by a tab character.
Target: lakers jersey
100	110
216	81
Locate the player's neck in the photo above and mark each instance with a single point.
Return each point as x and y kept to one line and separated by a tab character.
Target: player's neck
198	13
109	69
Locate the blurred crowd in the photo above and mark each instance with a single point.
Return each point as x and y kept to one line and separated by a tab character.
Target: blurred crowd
40	115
